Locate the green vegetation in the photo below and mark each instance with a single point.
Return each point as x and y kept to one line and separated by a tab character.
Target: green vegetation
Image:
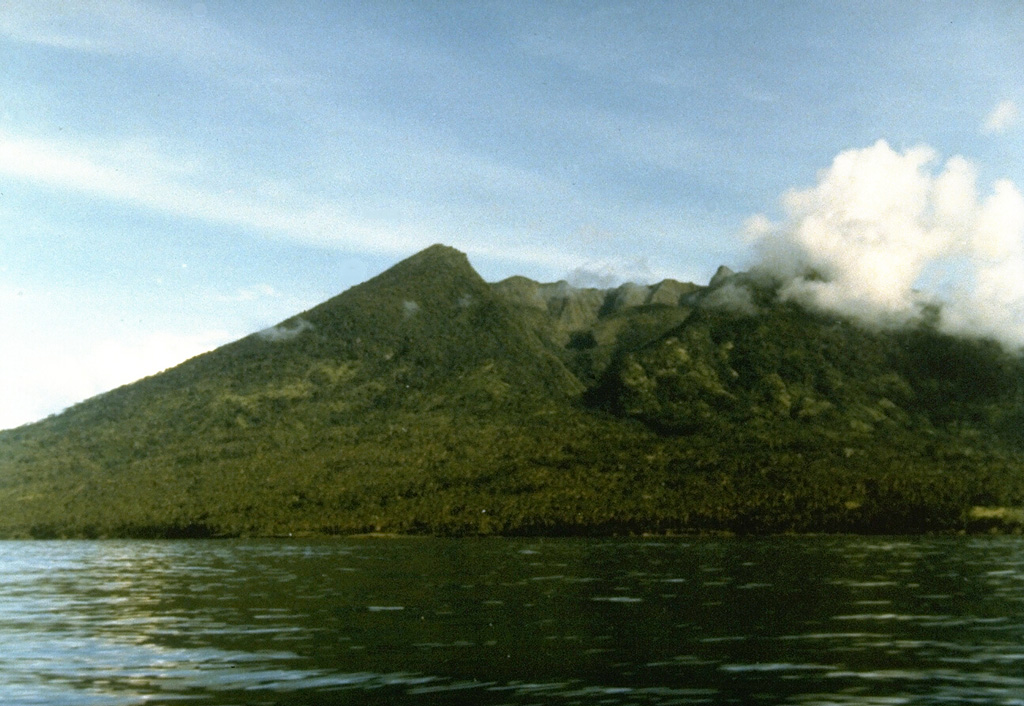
427	401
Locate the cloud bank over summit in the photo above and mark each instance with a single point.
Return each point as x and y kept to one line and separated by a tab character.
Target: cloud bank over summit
885	234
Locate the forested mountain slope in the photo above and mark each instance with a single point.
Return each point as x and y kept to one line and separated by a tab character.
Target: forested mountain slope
426	400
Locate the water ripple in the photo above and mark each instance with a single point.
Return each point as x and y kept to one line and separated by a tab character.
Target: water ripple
924	621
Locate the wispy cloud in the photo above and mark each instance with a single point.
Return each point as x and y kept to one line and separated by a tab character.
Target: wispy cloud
251	294
98	27
121	27
285	331
138	174
467	199
182	36
1003	117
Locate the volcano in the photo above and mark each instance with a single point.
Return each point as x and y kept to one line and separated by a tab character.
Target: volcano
427	400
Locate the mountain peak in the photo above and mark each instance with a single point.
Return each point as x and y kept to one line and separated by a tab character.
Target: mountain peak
722	274
439	251
428	320
436	259
436	271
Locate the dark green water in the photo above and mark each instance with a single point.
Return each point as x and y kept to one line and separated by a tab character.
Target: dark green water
819	620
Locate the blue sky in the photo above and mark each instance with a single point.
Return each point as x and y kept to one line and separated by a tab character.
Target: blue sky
175	175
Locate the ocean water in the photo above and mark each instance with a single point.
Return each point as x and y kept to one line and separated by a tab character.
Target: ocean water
802	620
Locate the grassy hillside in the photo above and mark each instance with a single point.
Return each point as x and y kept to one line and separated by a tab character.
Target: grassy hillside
427	400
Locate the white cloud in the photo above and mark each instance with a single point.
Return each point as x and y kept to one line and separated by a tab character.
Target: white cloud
604	274
1002	118
733	297
285	331
865	239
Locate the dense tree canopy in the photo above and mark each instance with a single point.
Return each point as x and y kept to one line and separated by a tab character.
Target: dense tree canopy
428	401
